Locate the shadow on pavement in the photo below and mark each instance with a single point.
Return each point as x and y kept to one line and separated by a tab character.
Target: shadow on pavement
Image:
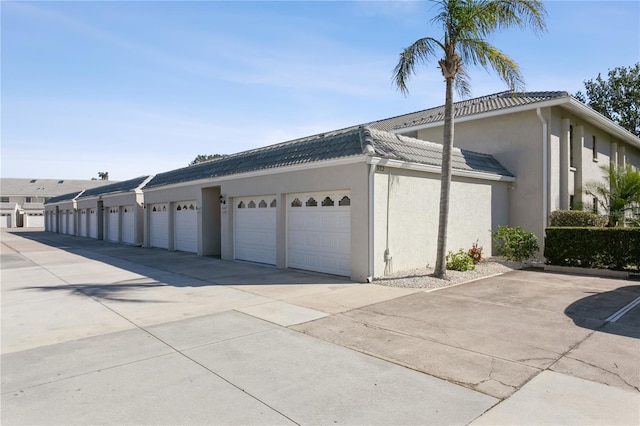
160	267
601	307
101	291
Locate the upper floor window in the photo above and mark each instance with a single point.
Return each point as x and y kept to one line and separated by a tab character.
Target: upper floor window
4	199
27	199
571	146
595	148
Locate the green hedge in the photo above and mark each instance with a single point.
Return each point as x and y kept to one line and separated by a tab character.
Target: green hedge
608	248
576	218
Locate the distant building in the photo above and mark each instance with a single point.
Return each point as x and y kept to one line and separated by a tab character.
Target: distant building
22	200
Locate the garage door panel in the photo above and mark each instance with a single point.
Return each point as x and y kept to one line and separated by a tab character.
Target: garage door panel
186	226
82	223
159	226
255	229
128	225
113	224
319	232
93	223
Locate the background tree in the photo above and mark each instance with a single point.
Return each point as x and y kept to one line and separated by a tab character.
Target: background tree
466	25
621	194
201	158
617	97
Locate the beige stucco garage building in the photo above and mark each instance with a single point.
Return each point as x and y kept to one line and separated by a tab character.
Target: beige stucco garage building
111	212
333	203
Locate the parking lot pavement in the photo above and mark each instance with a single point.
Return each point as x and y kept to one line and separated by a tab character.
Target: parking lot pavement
89	337
99	333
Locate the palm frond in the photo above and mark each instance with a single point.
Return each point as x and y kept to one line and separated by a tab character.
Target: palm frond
480	52
419	52
463	83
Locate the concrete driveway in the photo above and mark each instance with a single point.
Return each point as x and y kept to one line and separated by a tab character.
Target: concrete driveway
547	343
100	333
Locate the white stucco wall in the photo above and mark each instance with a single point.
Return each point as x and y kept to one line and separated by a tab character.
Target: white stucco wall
515	140
410	230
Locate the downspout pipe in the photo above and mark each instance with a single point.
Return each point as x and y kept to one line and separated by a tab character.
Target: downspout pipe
372	172
545	168
366	143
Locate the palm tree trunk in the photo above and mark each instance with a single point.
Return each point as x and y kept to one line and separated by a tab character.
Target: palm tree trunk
445	182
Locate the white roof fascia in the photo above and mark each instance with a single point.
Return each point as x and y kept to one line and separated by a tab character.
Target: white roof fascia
264	172
596	118
398	164
571	104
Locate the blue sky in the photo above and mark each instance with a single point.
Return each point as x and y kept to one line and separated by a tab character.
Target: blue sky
137	88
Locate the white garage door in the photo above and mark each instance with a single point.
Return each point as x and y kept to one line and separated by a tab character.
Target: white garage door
82	223
93	223
54	222
159	225
70	222
128	225
63	222
35	220
186	226
255	229
5	220
319	232
112	223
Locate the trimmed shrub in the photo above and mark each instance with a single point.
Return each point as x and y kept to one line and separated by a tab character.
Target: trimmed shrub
577	218
460	261
515	243
588	247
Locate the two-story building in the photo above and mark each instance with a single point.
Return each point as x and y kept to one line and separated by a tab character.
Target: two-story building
22	200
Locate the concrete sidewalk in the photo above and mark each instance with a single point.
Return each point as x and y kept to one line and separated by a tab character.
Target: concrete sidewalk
94	332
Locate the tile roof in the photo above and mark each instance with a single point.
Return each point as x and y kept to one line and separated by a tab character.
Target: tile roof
397	147
320	147
64	197
338	144
46	187
483	104
124	186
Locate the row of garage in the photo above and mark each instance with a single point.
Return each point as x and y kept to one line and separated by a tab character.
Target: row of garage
23	219
317	233
317	227
118	227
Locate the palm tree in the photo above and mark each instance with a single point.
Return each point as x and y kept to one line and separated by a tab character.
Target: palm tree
466	24
619	195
